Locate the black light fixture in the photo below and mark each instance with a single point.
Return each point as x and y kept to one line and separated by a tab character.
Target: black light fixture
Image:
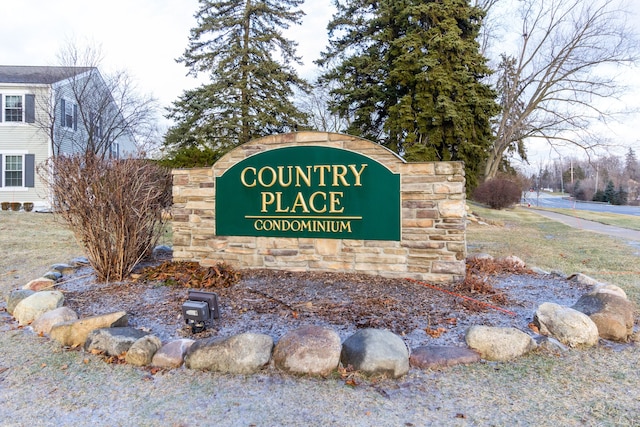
200	309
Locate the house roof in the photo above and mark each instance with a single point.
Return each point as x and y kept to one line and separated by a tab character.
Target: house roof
38	74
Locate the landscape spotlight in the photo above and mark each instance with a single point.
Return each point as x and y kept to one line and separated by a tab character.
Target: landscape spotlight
200	309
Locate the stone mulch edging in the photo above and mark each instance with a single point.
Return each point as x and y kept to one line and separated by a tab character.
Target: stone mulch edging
604	313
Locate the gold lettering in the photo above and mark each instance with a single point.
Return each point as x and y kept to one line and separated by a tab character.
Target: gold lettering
281	177
323	169
339	175
299	203
267	199
261	176
334	201
313	205
243	179
357	173
279	203
300	175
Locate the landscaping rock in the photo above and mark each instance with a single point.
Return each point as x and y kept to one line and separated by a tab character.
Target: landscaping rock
64	269
35	305
15	297
79	261
240	354
113	341
75	333
142	351
499	344
583	279
376	352
53	275
40	284
568	325
433	357
612	314
171	355
44	323
603	288
550	345
313	350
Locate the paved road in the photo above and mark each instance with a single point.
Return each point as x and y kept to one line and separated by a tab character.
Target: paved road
632	236
546	200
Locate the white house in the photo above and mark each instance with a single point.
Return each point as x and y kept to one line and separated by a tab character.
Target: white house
47	111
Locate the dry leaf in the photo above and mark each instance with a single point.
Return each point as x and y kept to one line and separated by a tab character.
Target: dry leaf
435	333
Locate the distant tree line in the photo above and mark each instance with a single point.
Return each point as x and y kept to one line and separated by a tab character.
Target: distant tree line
609	179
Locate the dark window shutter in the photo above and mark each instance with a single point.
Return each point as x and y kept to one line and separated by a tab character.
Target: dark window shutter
1	170
75	117
1	116
62	123
29	170
30	108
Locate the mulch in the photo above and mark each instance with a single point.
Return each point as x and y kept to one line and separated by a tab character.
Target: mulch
273	301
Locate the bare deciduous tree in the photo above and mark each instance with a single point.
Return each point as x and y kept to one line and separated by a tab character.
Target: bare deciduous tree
90	112
560	79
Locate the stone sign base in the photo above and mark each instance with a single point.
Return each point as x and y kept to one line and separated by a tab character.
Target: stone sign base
433	220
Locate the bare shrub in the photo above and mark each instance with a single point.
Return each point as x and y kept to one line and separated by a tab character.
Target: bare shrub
112	206
497	193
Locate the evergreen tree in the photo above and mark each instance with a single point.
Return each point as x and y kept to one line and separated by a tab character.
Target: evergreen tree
252	79
610	193
408	74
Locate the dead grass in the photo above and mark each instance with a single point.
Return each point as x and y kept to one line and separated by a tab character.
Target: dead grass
553	246
31	242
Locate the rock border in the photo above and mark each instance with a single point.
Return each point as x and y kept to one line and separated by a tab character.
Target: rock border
603	313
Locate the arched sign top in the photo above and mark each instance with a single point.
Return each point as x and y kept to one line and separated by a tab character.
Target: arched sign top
309	191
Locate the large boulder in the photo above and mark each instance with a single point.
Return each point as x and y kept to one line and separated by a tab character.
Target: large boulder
612	314
15	297
171	355
567	325
35	305
497	343
113	341
433	357
240	354
142	351
75	333
44	323
313	350
376	352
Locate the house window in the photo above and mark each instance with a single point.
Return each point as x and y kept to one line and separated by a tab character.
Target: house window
17	171
13	171
69	114
18	108
13	108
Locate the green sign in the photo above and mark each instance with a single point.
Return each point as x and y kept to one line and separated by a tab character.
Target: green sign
309	191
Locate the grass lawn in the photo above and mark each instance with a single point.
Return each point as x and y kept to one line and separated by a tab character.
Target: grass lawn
618	220
551	246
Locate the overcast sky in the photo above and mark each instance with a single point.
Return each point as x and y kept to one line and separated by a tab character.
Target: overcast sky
144	37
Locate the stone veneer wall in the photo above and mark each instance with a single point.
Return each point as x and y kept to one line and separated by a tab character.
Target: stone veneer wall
433	245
